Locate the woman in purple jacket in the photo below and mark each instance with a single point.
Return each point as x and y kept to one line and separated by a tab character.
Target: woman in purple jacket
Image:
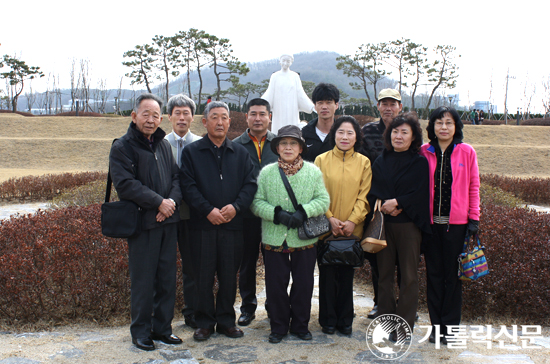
454	205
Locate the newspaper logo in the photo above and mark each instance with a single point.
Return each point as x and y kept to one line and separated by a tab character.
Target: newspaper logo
389	337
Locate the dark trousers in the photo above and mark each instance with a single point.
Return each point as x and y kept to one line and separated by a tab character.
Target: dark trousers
152	263
289	312
189	287
216	252
252	237
373	261
444	287
403	241
335	295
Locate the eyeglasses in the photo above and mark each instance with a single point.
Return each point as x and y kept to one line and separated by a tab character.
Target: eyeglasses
292	143
441	123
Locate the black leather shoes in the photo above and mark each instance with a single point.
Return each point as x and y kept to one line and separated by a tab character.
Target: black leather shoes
232	332
302	336
328	330
442	338
275	338
202	334
373	313
246	318
345	330
144	343
190	321
167	339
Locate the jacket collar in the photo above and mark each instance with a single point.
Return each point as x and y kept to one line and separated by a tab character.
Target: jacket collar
158	135
245	138
207	143
340	154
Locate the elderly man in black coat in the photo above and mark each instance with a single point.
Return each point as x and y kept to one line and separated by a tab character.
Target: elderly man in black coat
217	178
144	171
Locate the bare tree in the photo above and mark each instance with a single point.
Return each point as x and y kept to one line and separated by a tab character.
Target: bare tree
101	95
118	97
546	96
31	98
84	79
529	91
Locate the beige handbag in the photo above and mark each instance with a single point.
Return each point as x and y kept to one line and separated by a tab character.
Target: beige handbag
374	238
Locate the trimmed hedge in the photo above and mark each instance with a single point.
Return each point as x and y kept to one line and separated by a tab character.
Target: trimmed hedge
534	190
45	187
57	266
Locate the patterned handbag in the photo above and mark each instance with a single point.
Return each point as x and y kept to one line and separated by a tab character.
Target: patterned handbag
314	226
374	238
472	264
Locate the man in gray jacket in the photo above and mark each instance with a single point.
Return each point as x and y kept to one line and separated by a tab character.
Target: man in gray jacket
257	141
181	110
144	171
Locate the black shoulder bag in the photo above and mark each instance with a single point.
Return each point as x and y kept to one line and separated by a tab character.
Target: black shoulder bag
314	226
120	219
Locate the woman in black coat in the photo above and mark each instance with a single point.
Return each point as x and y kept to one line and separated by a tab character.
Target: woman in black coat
400	180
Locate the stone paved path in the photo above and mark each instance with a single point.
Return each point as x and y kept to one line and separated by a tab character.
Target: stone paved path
113	345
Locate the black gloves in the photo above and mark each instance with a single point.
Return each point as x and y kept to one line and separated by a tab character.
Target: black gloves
297	219
292	221
473	227
284	217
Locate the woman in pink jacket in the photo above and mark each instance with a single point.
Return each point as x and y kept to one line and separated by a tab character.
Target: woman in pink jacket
454	207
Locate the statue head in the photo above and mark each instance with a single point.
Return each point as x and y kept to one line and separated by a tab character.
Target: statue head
285	61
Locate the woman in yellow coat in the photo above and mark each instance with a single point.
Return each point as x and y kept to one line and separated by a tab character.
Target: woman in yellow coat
347	175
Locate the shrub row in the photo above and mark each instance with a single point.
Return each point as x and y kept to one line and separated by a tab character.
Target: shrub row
80	113
535	122
56	265
17	112
534	190
46	187
517	246
88	194
496	196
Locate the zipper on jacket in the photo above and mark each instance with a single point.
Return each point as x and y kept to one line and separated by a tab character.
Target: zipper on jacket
441	180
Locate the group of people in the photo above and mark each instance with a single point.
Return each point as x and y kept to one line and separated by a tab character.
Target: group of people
224	200
477	116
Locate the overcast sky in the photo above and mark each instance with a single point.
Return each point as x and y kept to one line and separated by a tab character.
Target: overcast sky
490	36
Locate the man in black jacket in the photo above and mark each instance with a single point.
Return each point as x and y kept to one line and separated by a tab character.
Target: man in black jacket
217	178
257	141
325	96
149	177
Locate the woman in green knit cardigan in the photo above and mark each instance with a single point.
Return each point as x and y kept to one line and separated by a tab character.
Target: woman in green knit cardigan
284	252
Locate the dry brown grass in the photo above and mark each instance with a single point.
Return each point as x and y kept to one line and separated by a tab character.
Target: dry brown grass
42	144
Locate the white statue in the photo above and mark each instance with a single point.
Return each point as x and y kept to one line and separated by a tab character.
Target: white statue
286	96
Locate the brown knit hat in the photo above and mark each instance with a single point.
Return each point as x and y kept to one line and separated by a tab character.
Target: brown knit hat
288	131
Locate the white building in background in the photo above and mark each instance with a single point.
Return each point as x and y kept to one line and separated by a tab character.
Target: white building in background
485	106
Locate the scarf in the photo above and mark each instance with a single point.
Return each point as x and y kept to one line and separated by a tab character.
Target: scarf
291	169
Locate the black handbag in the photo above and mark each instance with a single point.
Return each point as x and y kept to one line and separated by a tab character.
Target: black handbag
313	227
120	219
342	251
